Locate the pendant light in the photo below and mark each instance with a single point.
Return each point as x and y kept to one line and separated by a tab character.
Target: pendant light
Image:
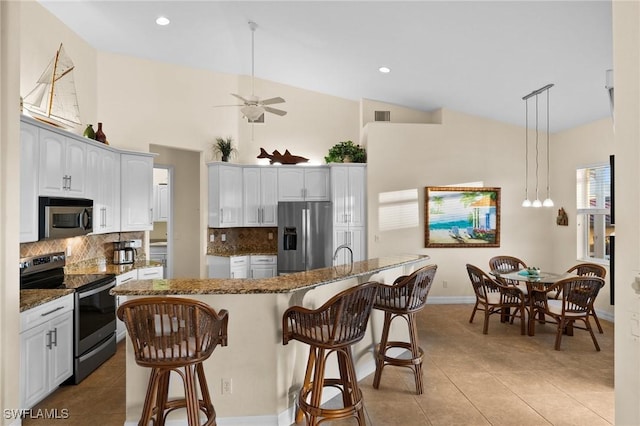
536	203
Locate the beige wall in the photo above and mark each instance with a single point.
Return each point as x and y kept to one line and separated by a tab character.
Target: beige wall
9	207
626	68
399	114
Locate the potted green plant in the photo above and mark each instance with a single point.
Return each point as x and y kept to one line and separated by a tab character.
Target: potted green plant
224	147
346	152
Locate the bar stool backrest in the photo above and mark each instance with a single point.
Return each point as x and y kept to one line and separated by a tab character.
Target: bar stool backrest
341	321
408	292
172	331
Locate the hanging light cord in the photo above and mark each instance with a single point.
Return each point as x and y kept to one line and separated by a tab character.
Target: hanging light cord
537	198
526	152
548	190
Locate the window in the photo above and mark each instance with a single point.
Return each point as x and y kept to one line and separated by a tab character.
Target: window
594	212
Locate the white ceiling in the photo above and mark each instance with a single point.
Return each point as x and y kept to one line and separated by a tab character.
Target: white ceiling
478	57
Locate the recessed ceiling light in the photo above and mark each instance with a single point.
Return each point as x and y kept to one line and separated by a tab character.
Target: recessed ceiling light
163	20
384	70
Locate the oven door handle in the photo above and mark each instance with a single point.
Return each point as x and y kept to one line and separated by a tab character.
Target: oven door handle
83	294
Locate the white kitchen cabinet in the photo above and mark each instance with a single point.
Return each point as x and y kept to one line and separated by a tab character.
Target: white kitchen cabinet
227	266
263	266
355	238
103	187
121	329
303	183
46	349
136	192
160	202
62	165
260	196
29	155
225	195
348	194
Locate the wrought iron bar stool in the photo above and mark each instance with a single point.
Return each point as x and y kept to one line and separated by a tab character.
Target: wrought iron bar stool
403	299
332	328
174	334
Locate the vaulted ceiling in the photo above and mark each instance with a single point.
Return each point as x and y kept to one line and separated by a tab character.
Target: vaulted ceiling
478	57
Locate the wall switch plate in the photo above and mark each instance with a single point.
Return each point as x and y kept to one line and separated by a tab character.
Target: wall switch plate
223	237
212	238
270	236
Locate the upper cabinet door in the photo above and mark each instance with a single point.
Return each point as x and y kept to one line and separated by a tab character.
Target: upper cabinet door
62	165
316	182
260	199
251	196
136	192
269	197
225	196
290	184
348	193
29	154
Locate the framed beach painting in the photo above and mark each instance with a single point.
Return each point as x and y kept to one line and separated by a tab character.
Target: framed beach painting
462	216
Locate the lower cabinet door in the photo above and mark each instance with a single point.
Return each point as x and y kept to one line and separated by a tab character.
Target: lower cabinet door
34	365
61	353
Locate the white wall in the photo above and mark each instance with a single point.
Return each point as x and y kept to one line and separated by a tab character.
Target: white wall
626	68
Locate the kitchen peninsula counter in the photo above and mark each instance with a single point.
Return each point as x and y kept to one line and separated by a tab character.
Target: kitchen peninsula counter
280	284
266	374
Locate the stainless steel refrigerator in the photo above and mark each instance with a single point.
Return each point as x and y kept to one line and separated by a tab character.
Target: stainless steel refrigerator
305	235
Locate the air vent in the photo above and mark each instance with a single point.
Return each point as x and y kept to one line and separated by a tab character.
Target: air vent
383	116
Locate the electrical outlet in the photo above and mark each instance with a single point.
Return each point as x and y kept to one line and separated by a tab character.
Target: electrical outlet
223	237
444	284
212	238
69	250
136	243
226	386
270	235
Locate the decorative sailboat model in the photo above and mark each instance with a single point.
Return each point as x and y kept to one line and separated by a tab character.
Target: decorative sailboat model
54	99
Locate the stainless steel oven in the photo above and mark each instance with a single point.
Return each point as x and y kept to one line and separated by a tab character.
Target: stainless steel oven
94	323
64	217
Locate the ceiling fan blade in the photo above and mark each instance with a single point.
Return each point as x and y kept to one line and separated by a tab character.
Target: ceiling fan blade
272	101
275	111
240	97
235	105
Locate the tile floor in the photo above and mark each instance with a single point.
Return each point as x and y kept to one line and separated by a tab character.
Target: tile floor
501	378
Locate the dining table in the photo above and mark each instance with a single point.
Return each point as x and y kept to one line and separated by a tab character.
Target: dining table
540	280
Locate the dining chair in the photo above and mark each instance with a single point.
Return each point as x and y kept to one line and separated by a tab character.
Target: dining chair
508	264
494	297
590	270
578	295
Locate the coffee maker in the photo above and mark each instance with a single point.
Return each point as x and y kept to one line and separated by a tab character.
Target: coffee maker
123	253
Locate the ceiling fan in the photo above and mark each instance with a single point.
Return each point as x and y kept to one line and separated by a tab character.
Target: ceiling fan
253	107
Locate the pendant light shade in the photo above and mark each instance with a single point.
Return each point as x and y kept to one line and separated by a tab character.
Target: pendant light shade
548	202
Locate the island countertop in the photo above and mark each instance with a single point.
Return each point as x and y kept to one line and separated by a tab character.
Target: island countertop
280	284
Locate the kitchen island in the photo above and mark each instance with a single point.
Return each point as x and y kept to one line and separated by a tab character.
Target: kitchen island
265	375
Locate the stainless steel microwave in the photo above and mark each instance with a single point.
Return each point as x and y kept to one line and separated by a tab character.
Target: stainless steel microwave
64	217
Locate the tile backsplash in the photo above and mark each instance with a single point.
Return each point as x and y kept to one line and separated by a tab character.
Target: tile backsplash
83	248
242	240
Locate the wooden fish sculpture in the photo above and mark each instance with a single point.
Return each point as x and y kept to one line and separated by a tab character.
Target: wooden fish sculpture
285	158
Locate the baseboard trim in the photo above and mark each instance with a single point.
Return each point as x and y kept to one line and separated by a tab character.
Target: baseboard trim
451	300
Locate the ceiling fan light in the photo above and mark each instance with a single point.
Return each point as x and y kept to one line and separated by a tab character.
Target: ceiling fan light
252	112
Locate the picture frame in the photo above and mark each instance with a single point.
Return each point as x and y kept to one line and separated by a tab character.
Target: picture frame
462	216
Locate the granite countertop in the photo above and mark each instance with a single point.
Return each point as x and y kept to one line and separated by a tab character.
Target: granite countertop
281	284
32	298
